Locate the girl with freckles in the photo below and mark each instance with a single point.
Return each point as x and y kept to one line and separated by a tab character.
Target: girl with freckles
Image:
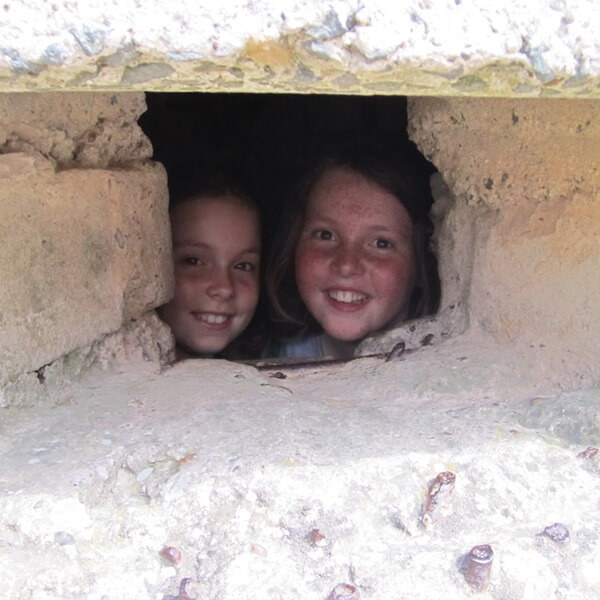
352	258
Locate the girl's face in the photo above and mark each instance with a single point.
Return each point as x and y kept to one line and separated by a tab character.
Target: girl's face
216	251
355	262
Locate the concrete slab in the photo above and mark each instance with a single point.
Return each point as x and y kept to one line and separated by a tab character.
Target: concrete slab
286	487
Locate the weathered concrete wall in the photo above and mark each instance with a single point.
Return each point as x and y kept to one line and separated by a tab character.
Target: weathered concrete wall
235	469
287	487
83	249
448	47
527	197
517	232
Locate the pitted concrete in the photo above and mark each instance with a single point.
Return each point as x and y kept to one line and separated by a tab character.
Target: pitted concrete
235	469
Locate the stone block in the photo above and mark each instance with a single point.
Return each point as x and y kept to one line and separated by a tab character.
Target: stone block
526	182
75	129
83	251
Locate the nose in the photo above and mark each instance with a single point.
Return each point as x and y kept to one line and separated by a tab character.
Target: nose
220	284
347	260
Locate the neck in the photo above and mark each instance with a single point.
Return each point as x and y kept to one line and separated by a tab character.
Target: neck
183	353
337	348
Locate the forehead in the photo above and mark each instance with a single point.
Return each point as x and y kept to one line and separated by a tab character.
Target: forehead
345	194
214	216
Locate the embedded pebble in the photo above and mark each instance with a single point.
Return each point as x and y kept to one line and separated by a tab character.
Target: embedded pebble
186	459
439	496
143	475
477	567
63	538
258	549
318	538
171	553
344	591
557	532
426	341
189	589
589	452
396	352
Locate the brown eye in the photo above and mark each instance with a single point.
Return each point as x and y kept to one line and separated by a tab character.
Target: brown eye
245	266
192	261
383	244
323	234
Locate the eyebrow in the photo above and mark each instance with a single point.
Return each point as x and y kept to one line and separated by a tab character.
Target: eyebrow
203	246
190	244
329	221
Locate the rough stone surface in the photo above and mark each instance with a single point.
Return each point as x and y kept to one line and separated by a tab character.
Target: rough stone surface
145	339
83	251
94	130
522	236
449	47
235	469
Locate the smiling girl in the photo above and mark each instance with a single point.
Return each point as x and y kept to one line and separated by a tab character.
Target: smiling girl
216	255
352	259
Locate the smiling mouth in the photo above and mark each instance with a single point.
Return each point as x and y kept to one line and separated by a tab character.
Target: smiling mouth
347	297
215	320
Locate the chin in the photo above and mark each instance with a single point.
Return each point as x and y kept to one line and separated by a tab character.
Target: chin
206	348
344	335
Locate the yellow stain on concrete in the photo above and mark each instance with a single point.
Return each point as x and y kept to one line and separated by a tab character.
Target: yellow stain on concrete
268	52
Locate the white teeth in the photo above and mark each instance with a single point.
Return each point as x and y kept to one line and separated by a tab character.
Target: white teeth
344	296
212	319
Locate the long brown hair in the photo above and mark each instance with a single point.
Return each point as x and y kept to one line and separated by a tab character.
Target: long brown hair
378	165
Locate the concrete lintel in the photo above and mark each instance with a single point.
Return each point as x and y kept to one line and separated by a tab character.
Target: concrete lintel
536	49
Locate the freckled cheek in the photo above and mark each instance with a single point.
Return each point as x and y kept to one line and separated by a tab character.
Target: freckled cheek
309	263
248	290
394	279
187	286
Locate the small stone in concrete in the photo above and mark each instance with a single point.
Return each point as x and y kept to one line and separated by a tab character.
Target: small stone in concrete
146	72
278	375
396	352
557	532
439	496
258	550
344	591
589	452
426	341
189	589
171	554
186	459
317	538
62	538
477	567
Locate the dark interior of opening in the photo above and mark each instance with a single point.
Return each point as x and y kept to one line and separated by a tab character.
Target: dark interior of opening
271	139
